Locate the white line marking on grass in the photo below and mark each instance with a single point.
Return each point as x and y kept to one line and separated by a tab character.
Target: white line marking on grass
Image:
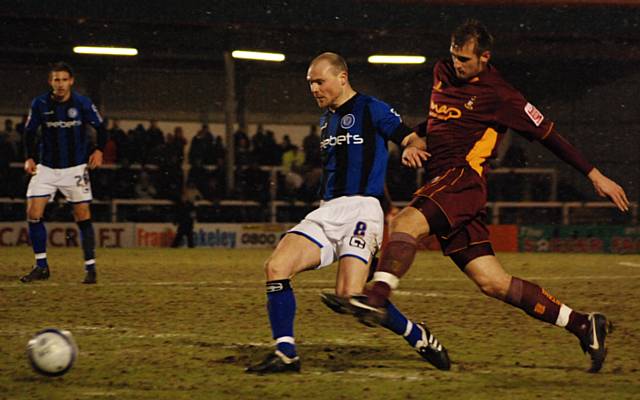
629	264
214	284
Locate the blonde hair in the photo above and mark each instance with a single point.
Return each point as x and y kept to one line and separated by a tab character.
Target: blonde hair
336	61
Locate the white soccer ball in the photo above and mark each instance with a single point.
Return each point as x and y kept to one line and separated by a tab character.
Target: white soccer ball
52	352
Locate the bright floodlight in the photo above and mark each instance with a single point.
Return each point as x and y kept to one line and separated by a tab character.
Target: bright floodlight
257	55
111	51
384	59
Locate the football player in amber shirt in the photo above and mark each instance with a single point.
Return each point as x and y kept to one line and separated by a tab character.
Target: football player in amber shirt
471	108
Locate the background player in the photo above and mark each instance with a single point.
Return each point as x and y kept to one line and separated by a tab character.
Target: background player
348	224
62	151
471	107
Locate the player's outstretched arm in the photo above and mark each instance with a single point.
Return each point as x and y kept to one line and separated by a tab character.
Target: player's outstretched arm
415	151
605	187
95	159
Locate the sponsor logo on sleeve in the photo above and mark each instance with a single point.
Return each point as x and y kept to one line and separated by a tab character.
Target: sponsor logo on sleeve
533	113
95	110
394	112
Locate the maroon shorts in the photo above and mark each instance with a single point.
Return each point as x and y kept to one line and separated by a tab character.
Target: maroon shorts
455	207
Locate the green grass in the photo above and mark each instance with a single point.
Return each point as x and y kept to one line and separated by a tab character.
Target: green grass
183	324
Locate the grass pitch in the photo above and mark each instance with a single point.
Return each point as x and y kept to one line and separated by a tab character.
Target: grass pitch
183	324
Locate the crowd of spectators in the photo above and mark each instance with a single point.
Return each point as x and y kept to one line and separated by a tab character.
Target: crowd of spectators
147	163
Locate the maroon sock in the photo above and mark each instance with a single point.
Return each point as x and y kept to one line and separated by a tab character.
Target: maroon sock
396	258
578	324
533	300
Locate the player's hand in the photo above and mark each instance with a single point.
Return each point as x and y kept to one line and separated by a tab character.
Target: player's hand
605	187
413	157
95	159
30	166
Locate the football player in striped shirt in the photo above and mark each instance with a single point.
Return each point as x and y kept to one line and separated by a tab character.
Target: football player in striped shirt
58	154
348	225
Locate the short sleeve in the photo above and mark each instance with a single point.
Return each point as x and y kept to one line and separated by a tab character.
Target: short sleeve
388	122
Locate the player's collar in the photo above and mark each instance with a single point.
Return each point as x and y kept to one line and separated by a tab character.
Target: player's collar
346	104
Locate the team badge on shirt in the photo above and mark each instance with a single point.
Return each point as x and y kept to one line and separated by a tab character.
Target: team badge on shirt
347	121
72	112
533	113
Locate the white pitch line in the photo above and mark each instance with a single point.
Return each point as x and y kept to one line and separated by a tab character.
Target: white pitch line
629	264
215	284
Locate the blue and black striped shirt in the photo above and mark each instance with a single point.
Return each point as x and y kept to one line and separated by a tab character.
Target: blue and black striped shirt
354	148
64	140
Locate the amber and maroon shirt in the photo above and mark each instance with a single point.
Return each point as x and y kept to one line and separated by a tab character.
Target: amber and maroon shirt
467	119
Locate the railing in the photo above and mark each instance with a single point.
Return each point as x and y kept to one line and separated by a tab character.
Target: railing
499	212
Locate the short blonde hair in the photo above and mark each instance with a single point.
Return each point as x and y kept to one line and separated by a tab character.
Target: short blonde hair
337	62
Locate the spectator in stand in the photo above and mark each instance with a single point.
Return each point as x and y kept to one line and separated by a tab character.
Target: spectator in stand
201	150
126	144
20	130
238	136
177	145
311	148
286	144
6	155
155	136
272	154
243	152
171	179
13	139
119	136
254	183
257	145
110	153
292	167
219	152
139	139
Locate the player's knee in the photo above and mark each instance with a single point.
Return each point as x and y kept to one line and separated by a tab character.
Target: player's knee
408	222
275	268
81	214
33	215
493	288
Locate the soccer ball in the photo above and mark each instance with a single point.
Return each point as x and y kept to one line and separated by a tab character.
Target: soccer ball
52	352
